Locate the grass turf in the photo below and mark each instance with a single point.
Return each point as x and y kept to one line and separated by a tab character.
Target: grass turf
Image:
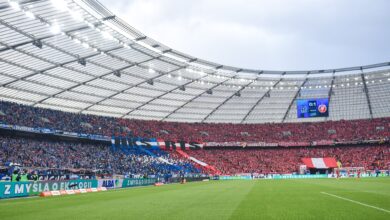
259	199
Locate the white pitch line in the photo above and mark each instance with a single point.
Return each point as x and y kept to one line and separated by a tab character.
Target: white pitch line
360	203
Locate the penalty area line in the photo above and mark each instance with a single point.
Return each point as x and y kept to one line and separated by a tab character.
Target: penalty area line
356	202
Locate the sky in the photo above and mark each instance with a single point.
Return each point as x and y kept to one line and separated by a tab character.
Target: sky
266	34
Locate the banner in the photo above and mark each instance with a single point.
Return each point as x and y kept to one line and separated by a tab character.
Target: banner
18	189
201	163
320	163
311	176
54	132
235	177
138	182
173	145
240	144
110	183
294	144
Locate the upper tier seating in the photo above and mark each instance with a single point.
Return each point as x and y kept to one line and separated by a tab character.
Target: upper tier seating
16	114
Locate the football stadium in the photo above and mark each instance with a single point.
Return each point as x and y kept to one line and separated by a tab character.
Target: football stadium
100	121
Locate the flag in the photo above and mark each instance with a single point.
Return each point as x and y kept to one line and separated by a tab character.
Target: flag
320	163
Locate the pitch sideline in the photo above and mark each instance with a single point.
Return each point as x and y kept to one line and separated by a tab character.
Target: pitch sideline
356	202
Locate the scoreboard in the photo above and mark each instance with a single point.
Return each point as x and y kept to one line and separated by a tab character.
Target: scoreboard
308	108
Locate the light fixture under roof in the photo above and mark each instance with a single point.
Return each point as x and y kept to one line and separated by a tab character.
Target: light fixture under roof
15	5
60	5
85	45
55	29
151	70
107	35
29	14
76	15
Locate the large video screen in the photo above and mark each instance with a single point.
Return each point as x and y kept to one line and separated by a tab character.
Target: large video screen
308	108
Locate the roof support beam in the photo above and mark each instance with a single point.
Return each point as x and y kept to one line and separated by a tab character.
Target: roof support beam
83	83
292	101
330	93
259	100
331	87
22	3
145	103
127	88
112	70
226	100
41	38
195	97
367	95
57	65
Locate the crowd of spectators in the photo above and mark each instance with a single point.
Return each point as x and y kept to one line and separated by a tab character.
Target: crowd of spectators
15	114
57	154
287	160
38	153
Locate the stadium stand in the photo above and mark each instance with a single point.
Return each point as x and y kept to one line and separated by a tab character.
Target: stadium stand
364	129
54	76
40	154
287	160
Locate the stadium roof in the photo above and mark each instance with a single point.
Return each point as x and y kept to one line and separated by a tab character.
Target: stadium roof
75	55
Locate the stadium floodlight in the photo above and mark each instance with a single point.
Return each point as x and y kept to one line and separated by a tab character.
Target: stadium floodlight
179	78
15	5
55	29
169	76
29	14
60	5
151	70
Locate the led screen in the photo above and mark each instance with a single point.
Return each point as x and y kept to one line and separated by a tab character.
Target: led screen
308	108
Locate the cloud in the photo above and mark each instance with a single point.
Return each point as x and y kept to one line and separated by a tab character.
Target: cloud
265	34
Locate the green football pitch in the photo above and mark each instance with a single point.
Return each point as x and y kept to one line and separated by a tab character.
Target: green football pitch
236	199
